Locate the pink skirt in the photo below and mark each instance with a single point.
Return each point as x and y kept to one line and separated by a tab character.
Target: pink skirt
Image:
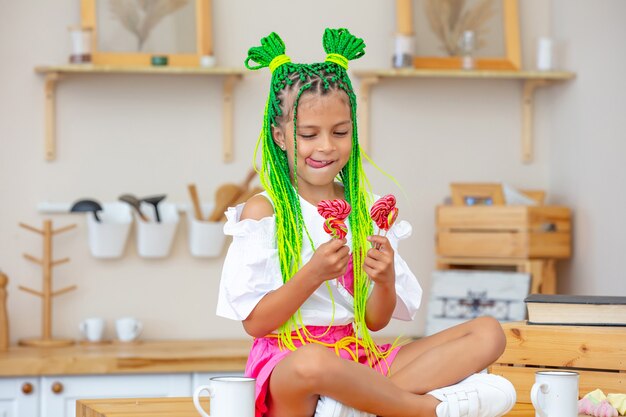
266	353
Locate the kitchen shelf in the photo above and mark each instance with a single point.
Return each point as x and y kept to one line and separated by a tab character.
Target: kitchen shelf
53	74
531	81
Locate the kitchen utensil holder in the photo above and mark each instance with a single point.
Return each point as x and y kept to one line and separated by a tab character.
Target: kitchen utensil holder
107	238
154	240
206	239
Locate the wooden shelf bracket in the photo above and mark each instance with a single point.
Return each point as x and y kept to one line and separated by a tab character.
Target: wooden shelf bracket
228	110
54	74
528	111
50	139
363	110
531	81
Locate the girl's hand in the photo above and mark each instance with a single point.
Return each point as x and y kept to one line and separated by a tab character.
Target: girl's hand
330	260
378	263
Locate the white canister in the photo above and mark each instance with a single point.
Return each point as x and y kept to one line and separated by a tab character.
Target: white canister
545	54
108	237
81	38
206	239
404	46
155	239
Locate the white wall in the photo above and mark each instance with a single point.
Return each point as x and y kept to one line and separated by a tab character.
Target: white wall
587	160
154	134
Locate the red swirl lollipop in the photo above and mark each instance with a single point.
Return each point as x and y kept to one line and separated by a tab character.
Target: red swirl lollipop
336	228
338	209
384	212
335	212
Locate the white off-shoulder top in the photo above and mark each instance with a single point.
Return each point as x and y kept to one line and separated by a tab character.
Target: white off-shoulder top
251	270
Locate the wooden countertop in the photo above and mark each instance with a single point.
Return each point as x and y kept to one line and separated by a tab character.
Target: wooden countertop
127	358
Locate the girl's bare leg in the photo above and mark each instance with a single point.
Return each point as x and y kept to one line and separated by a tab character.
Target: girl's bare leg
312	370
447	357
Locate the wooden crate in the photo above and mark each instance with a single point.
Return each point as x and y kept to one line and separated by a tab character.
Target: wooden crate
542	271
597	353
504	231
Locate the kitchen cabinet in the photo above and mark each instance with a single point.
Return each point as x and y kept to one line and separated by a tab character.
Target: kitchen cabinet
59	394
19	397
55	396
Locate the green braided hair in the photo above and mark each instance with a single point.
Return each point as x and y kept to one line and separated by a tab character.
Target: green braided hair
288	83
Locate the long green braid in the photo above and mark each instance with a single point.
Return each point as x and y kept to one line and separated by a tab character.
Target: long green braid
291	81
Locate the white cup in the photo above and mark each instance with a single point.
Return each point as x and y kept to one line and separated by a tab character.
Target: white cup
92	329
128	329
555	394
207	61
230	396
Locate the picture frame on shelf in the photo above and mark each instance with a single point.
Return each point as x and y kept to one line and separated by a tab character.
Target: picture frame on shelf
156	32
477	194
440	26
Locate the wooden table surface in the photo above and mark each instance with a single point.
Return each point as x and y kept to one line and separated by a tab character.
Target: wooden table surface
140	407
183	407
127	358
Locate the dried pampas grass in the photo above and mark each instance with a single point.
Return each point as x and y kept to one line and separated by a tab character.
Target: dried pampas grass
448	19
139	17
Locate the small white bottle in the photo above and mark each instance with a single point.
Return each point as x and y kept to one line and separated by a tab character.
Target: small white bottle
467	45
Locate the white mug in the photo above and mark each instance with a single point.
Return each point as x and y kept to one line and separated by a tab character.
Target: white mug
128	329
555	394
92	329
230	396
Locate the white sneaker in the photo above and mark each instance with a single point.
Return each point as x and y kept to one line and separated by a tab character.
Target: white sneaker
327	407
479	395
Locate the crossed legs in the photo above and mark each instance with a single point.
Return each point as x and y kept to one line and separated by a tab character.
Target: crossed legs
449	356
425	364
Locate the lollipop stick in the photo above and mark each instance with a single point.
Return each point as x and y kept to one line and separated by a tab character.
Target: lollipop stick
377	245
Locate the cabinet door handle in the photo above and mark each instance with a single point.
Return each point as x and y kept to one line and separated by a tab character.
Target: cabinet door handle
57	387
27	388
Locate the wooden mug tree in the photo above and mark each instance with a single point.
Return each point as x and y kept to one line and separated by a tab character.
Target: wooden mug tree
4	320
47	293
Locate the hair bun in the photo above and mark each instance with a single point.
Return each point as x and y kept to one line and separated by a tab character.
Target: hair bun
271	47
342	42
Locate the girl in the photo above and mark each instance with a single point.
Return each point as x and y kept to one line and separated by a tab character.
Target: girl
310	301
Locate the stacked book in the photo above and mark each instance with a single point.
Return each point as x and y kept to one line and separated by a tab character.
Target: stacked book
576	310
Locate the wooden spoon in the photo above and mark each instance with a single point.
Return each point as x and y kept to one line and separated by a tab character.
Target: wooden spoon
226	194
195	200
